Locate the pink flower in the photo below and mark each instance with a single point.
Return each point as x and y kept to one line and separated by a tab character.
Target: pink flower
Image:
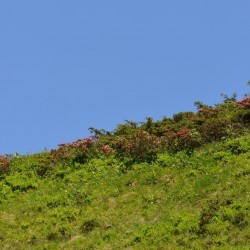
105	148
76	144
88	141
182	132
244	103
243	100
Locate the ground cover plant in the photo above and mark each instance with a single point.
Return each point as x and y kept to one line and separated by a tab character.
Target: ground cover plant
177	183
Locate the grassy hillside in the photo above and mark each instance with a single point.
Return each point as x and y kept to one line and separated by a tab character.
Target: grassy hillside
179	183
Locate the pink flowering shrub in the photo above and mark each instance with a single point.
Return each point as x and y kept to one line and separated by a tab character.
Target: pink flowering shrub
140	146
169	139
188	139
107	150
244	103
208	112
77	151
185	139
4	165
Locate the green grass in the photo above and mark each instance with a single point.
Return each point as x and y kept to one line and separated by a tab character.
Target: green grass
180	201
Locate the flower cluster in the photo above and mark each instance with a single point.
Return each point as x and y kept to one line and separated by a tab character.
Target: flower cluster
244	103
4	164
184	133
187	139
79	150
107	150
78	143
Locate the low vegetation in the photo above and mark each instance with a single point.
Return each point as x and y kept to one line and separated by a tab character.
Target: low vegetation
177	183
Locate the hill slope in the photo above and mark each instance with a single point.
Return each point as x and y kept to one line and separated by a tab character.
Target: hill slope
106	192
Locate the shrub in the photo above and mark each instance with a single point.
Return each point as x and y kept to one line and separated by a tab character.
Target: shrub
42	164
182	116
208	112
244	103
89	225
21	182
214	129
238	146
78	151
169	140
4	165
243	116
140	146
107	150
124	129
187	139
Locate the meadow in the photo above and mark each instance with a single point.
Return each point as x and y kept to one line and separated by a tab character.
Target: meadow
178	183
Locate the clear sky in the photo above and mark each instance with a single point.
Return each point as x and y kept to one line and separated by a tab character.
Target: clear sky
69	65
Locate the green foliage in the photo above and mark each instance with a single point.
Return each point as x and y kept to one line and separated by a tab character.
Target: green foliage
21	182
238	146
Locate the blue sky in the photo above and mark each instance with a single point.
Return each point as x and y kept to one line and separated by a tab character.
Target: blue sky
69	65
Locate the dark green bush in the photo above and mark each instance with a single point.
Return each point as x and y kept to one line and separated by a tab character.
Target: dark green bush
89	225
21	182
214	129
238	146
